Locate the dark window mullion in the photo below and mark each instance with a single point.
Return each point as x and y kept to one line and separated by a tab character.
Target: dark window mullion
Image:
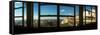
29	10
48	15
23	14
91	14
58	11
38	15
66	16
96	13
47	4
85	15
17	16
74	16
81	15
18	8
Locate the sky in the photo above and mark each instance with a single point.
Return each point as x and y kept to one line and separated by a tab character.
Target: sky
47	10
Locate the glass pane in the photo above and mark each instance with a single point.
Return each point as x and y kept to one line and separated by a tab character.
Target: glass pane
84	15
18	12
93	14
35	22
18	8
25	15
18	4
77	15
66	21
66	10
48	21
18	21
48	10
88	14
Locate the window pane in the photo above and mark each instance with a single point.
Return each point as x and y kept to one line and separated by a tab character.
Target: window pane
35	22
48	21
48	10
18	4
88	14
77	15
25	15
18	8
66	10
18	21
93	14
18	12
84	15
66	21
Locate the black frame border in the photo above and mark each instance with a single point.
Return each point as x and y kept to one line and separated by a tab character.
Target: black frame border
12	13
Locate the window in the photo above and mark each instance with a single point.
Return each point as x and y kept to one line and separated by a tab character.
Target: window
84	15
20	14
87	15
48	21
66	16
18	21
94	14
35	15
18	4
48	10
48	15
45	17
18	8
25	15
77	15
66	21
66	10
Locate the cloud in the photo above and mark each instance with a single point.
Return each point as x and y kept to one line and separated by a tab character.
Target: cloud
62	10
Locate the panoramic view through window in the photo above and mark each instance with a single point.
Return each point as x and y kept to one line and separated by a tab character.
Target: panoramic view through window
30	17
47	19
66	16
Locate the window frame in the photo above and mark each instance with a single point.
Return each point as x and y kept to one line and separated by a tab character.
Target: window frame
46	15
22	13
48	28
74	13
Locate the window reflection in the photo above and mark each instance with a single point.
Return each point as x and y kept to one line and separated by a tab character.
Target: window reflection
68	16
89	15
18	21
93	14
77	15
48	21
18	12
25	15
66	21
66	10
18	4
35	16
48	10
